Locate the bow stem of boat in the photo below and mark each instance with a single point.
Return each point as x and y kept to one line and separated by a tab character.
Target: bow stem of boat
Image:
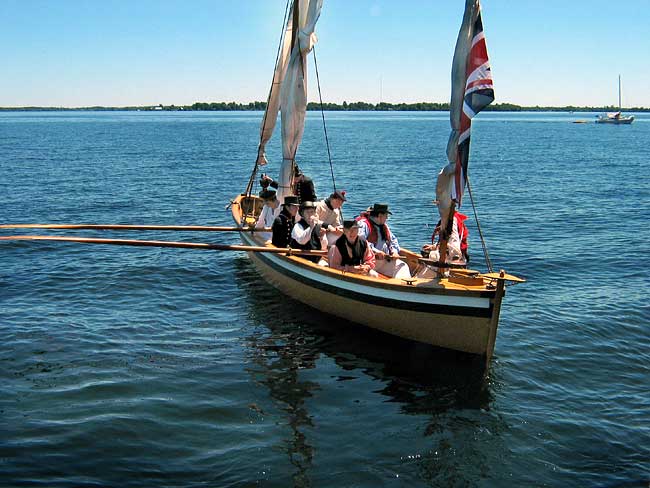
189	228
182	245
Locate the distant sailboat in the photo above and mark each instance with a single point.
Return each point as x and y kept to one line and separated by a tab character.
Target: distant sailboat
616	117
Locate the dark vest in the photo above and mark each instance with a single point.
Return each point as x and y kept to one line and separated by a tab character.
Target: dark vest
282	226
313	244
358	251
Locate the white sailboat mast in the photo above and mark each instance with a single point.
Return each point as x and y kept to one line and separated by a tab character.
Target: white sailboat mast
293	92
273	101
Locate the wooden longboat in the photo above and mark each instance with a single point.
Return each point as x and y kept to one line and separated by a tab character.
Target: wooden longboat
460	312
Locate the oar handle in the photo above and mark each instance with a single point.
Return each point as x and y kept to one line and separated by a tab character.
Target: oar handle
182	245
189	228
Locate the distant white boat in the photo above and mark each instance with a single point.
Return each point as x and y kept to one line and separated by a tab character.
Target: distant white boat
616	117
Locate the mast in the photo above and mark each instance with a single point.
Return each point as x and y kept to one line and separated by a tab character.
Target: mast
273	100
293	92
619	93
471	92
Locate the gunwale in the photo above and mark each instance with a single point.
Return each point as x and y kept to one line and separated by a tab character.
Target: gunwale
439	312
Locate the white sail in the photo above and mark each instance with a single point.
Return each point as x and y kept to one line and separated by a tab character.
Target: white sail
273	102
293	94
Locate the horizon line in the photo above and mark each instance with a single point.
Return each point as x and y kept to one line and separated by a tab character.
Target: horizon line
329	106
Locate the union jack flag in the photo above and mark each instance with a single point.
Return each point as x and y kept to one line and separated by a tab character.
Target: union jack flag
472	90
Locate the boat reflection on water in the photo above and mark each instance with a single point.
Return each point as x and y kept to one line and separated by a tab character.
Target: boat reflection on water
288	339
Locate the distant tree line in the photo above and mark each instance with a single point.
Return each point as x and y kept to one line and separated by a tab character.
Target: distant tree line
345	106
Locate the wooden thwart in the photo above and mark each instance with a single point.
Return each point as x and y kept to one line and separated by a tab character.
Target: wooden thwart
189	228
182	245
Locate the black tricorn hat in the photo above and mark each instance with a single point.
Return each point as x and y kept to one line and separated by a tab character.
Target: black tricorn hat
291	200
340	194
267	194
378	208
348	224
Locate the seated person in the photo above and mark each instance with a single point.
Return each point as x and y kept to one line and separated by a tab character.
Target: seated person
328	212
456	243
308	234
456	247
284	222
383	242
352	254
270	211
302	185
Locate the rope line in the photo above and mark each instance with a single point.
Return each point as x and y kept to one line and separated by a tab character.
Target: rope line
251	181
322	112
488	262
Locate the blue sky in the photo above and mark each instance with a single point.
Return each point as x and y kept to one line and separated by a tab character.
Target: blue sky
113	53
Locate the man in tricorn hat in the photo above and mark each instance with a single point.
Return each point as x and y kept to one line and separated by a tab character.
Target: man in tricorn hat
307	232
351	253
383	242
284	222
270	211
328	212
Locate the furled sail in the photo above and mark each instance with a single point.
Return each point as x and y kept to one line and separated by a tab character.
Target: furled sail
293	92
471	91
273	102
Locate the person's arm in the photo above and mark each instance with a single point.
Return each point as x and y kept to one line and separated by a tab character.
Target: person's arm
262	218
337	220
277	232
394	245
369	258
300	235
323	240
311	191
335	258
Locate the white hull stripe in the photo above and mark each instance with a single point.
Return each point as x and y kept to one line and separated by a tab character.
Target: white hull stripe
372	292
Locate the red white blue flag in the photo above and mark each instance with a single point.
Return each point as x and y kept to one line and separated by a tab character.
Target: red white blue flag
471	91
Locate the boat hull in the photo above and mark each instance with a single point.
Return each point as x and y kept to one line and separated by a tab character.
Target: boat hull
453	317
619	121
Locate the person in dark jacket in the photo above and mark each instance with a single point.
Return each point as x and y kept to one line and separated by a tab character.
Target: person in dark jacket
284	222
302	185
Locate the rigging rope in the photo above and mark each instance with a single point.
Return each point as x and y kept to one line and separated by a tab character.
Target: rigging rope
478	225
251	181
322	112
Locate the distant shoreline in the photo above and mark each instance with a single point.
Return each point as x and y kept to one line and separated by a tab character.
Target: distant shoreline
312	106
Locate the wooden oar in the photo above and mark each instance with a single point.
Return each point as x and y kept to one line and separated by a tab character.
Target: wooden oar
190	228
184	245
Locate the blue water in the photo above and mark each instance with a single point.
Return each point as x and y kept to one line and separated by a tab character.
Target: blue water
165	367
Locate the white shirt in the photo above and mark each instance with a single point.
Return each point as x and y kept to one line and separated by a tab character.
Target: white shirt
302	236
266	218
